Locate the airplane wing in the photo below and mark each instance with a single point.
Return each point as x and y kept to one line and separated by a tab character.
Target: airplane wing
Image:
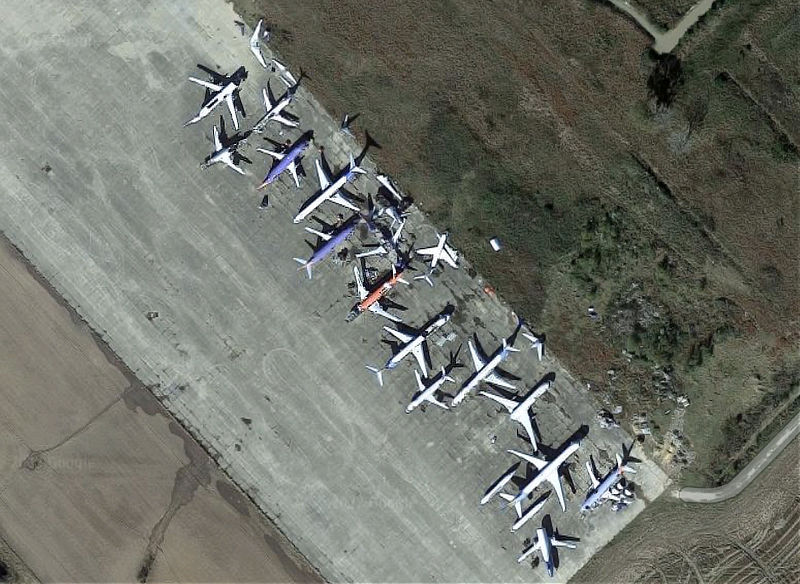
402	337
293	170
320	234
419	355
340	200
536	546
561	543
427	250
215	77
497	380
284	72
208	84
508	404
217	142
537	462
378	309
234	167
555	480
436	402
324	181
255	48
590	470
275	155
477	360
285	121
232	109
420	385
362	292
237	102
528	425
450	259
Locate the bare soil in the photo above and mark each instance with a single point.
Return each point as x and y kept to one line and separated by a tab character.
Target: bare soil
99	482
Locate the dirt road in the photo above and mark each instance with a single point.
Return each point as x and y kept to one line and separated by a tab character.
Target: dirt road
99	483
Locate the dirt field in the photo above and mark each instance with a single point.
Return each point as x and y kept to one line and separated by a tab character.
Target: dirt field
752	538
99	483
661	192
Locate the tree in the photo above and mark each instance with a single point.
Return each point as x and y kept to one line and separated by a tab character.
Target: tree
665	79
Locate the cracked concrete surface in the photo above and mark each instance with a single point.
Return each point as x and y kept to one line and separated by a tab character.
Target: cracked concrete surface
99	483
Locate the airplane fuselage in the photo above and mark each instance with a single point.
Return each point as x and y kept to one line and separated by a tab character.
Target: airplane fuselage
337	237
596	495
541	476
289	157
224	156
324	195
546	549
379	292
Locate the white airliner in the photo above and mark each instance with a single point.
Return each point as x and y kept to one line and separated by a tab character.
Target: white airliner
428	393
497	489
519	410
484	371
255	45
283	72
548	471
274	109
375	306
329	191
498	485
227	154
387	182
221	88
537	342
604	490
413	344
441	251
523	518
544	545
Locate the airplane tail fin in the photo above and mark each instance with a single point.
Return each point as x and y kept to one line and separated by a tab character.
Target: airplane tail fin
426	276
623	468
355	168
304	264
378	373
267	100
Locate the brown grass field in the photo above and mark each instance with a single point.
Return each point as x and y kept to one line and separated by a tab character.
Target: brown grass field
678	223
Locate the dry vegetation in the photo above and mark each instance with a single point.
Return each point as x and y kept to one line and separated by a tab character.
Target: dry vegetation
665	13
675	215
